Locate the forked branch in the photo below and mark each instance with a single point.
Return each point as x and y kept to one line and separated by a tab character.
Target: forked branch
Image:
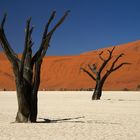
120	65
48	24
113	67
38	57
101	57
87	72
105	61
38	53
47	37
93	68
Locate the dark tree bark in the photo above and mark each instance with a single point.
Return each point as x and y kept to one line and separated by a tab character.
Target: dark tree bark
27	69
96	74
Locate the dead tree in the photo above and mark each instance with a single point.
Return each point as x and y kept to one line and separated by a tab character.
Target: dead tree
97	73
27	68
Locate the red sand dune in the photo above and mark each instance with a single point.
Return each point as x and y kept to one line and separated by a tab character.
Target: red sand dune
63	72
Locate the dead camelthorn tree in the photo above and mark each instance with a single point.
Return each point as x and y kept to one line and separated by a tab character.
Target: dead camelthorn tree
97	73
27	68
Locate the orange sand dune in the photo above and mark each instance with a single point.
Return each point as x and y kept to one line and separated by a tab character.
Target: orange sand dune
63	72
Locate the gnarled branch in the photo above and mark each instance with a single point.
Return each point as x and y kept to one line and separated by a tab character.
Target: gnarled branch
115	61
87	72
119	66
106	60
113	68
11	55
101	57
93	68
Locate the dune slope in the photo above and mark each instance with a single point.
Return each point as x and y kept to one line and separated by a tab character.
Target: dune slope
63	72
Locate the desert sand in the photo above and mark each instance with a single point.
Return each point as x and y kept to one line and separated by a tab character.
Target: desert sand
74	117
63	72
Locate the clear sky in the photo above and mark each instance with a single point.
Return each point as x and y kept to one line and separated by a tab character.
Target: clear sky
91	24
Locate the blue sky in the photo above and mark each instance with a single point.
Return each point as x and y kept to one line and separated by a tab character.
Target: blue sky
91	24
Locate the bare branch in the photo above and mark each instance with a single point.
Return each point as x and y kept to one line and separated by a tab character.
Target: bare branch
38	53
93	68
59	23
30	37
111	51
27	43
115	61
106	61
37	58
3	21
31	31
47	37
11	55
119	66
100	56
46	45
113	68
87	72
48	24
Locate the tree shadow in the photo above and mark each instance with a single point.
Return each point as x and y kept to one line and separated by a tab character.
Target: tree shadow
119	100
65	120
102	122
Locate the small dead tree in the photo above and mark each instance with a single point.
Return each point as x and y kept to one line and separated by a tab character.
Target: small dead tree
96	73
27	69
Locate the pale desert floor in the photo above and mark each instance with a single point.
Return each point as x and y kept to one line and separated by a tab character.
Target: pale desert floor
74	117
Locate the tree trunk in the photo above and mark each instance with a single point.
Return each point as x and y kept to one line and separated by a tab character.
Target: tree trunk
27	103
34	108
23	106
97	92
27	109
